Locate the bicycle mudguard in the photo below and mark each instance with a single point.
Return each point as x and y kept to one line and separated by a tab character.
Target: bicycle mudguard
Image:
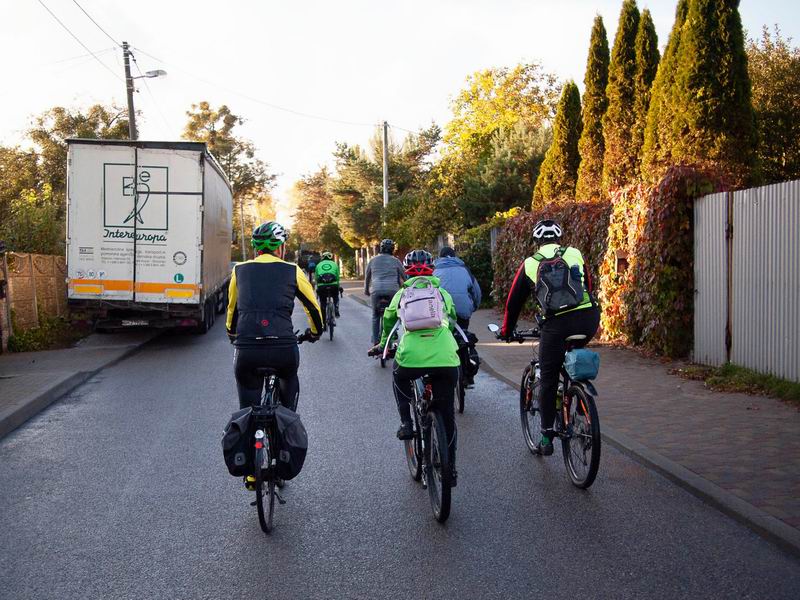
463	335
588	385
389	339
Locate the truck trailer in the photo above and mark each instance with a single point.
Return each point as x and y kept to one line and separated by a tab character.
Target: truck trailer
148	234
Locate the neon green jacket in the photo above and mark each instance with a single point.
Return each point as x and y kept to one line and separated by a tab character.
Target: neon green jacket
324	267
426	347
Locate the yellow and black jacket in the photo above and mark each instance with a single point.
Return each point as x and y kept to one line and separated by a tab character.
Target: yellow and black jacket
261	300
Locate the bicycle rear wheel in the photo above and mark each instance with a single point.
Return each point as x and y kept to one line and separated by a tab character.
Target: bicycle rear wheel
331	321
529	412
581	449
265	520
438	474
461	392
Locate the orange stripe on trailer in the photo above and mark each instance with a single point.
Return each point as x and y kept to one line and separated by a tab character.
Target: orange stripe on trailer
126	285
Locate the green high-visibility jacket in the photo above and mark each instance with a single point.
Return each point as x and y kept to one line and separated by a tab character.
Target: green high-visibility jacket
425	347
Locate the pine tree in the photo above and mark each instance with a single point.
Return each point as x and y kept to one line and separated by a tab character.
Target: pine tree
559	171
714	119
659	117
647	57
619	163
591	146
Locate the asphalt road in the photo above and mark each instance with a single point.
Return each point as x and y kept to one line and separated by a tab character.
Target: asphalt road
120	491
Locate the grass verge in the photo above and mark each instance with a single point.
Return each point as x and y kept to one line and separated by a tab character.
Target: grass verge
53	333
732	378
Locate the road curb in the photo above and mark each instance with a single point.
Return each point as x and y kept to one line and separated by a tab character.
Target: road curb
32	407
767	526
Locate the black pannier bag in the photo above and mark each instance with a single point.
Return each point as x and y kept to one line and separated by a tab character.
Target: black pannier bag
474	359
292	443
237	448
327	278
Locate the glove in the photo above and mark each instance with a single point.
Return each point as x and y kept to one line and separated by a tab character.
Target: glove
376	350
311	336
231	337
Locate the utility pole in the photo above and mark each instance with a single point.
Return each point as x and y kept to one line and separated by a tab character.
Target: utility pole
241	226
126	55
385	164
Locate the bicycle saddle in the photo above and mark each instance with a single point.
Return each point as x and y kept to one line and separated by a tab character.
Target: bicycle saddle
575	338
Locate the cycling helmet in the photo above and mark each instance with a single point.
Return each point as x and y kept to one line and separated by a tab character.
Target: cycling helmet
418	262
327	255
387	246
269	236
546	230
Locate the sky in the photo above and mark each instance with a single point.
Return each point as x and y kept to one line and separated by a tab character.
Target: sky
304	74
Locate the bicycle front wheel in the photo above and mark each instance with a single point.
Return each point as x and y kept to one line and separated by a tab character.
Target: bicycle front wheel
530	413
438	473
581	448
330	318
461	392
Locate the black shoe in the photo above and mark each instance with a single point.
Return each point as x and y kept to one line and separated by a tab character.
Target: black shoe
453	477
406	432
336	312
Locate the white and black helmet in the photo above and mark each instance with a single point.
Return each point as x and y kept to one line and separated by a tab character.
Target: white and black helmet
546	230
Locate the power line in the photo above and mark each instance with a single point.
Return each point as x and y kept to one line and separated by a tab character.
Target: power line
77	39
258	100
83	10
71	58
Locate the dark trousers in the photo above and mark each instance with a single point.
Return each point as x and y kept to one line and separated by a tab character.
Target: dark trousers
323	292
552	346
249	384
463	323
443	381
379	303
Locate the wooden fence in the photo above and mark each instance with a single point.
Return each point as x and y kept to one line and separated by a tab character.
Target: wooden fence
36	287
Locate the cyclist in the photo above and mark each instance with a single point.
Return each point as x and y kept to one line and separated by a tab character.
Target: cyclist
327	276
259	323
311	266
581	319
431	352
383	278
457	279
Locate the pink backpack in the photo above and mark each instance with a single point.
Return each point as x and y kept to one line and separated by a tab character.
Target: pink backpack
421	307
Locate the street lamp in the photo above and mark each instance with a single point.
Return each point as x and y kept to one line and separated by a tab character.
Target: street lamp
126	54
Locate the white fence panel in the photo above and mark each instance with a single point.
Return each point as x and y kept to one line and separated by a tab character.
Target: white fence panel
766	279
710	282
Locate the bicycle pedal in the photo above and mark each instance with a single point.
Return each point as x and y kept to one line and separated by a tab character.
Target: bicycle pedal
253	503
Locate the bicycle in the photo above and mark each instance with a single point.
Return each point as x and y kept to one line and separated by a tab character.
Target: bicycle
266	450
577	423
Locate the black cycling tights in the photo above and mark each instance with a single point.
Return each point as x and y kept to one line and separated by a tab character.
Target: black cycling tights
249	384
443	380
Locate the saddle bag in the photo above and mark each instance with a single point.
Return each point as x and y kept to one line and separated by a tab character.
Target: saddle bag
582	364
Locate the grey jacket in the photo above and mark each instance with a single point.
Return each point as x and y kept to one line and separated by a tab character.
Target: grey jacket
384	275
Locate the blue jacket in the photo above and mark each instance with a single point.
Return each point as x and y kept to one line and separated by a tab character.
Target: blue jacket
457	279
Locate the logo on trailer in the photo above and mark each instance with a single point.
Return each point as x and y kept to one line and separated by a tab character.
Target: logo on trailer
179	258
178	278
139	201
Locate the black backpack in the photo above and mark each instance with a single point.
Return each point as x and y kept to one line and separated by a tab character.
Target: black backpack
558	287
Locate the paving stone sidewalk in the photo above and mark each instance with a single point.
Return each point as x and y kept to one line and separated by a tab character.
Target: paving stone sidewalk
747	445
31	381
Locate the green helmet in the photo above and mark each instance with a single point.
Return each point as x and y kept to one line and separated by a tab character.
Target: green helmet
327	255
269	236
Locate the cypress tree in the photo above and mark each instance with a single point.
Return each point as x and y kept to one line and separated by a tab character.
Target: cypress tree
714	122
659	116
647	57
591	146
619	163
559	171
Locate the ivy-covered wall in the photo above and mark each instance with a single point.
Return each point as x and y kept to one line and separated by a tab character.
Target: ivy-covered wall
641	245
